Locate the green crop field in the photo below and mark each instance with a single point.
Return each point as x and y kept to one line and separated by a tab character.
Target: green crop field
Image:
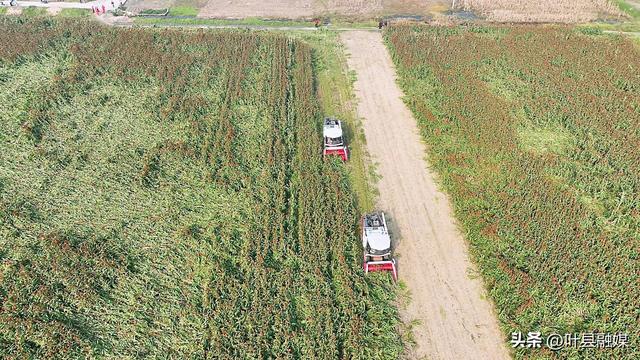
162	195
535	132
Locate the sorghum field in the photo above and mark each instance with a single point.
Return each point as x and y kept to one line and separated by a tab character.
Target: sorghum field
162	195
535	132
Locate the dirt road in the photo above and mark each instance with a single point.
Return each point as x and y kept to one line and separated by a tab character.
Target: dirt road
456	321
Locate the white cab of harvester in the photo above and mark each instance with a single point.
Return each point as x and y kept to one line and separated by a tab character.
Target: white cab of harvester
376	243
334	139
375	236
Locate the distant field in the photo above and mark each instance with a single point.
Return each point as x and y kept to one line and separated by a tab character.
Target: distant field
567	11
292	9
182	5
162	195
535	132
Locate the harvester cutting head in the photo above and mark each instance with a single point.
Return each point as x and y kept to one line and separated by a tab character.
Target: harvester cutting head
376	243
333	139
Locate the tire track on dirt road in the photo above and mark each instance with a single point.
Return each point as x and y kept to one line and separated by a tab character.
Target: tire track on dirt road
456	322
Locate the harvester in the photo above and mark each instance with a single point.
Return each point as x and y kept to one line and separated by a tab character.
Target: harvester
333	139
376	243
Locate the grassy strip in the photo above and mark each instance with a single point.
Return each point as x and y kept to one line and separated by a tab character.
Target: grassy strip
336	96
153	12
628	9
267	23
627	26
183	11
34	11
75	13
168	21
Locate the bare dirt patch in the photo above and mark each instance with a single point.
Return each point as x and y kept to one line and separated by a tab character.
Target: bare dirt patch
110	19
14	10
53	10
455	319
564	11
292	9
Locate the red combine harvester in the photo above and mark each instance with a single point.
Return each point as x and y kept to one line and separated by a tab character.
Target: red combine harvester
333	139
376	243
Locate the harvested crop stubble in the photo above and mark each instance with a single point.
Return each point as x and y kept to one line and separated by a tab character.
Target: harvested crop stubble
564	11
162	195
536	135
